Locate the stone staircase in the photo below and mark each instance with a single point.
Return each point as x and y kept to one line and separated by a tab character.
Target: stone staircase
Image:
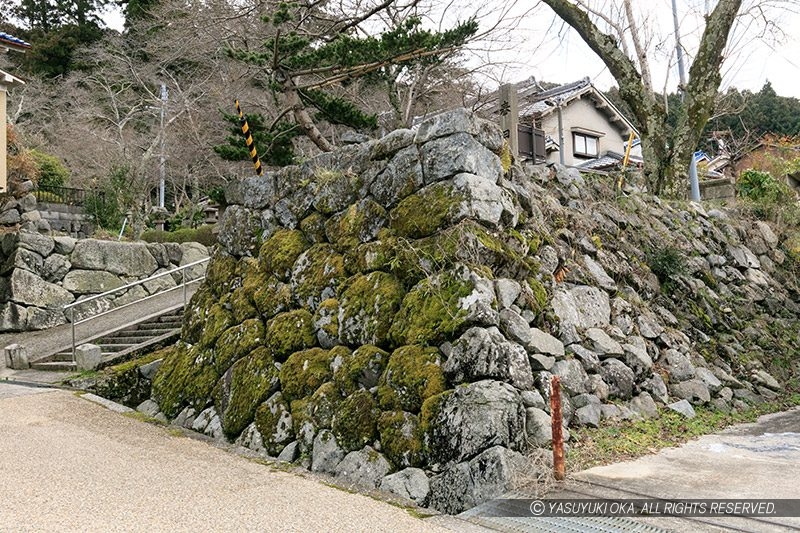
124	343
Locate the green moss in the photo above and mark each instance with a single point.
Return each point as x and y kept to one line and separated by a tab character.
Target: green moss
506	158
362	369
194	314
220	274
320	270
429	414
323	404
301	416
371	256
290	332
248	383
123	383
313	228
357	224
272	297
304	371
242	307
368	306
326	318
216	319
401	438
274	421
430	312
237	342
413	374
280	251
426	211
536	297
355	422
186	377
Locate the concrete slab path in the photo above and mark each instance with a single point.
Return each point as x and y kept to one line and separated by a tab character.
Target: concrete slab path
71	465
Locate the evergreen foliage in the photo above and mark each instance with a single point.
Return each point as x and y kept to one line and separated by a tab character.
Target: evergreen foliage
274	146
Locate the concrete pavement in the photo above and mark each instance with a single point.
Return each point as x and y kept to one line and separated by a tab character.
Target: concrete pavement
758	460
71	465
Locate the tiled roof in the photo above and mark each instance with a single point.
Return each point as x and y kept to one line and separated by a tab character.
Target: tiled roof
607	161
10	39
540	102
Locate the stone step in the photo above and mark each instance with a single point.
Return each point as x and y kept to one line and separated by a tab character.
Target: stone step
113	348
130	339
55	365
150	325
150	332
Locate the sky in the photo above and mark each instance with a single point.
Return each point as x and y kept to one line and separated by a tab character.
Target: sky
551	51
542	46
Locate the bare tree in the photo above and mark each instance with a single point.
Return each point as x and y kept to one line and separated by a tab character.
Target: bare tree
620	44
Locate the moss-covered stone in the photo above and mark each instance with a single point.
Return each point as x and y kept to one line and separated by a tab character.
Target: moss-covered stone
272	297
317	274
362	369
242	308
429	414
237	342
194	315
357	224
368	306
279	253
334	189
506	159
323	404
413	374
220	274
217	320
290	332
313	228
430	312
124	384
355	422
371	256
274	422
426	211
304	372
401	438
326	323
186	377
536	295
242	388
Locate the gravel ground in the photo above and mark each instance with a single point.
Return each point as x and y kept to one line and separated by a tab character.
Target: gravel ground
71	465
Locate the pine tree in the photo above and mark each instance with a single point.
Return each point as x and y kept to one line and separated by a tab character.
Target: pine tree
309	51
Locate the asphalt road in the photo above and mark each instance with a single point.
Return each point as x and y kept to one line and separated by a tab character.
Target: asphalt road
67	464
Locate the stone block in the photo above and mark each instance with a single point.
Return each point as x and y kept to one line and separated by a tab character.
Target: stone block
16	357
88	356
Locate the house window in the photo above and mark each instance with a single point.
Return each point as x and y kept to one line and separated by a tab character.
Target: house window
584	145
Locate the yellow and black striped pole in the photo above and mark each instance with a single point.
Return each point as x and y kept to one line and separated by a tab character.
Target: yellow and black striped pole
248	138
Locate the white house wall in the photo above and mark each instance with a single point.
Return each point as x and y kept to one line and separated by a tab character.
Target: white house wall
583	114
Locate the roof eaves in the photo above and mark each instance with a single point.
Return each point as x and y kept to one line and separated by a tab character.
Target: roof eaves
9	42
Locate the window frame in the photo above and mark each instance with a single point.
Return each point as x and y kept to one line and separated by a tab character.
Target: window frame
585	136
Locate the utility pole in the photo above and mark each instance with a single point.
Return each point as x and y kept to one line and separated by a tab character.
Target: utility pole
163	169
693	181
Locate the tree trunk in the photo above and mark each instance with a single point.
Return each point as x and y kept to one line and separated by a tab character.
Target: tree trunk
301	115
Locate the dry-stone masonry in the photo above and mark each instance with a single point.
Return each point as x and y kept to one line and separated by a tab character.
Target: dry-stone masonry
40	274
387	313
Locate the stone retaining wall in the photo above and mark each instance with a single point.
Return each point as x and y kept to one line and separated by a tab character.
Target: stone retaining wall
391	313
40	274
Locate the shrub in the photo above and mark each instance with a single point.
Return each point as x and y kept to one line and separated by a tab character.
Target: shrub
52	172
203	235
666	263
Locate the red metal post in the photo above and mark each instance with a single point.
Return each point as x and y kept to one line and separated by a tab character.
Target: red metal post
558	435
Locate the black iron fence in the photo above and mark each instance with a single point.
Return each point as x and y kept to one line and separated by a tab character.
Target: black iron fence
68	195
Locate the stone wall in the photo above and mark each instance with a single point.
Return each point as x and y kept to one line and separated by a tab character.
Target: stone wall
71	220
392	313
40	274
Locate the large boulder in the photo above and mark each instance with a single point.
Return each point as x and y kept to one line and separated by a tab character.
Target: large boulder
484	353
91	281
123	258
410	483
472	418
464	485
582	306
364	468
24	287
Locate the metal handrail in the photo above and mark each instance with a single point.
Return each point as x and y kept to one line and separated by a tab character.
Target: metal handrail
182	269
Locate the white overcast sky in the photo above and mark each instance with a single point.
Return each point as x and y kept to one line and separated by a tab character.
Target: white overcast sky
549	50
543	47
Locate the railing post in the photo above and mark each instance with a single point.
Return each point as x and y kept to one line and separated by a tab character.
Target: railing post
558	435
72	321
183	278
